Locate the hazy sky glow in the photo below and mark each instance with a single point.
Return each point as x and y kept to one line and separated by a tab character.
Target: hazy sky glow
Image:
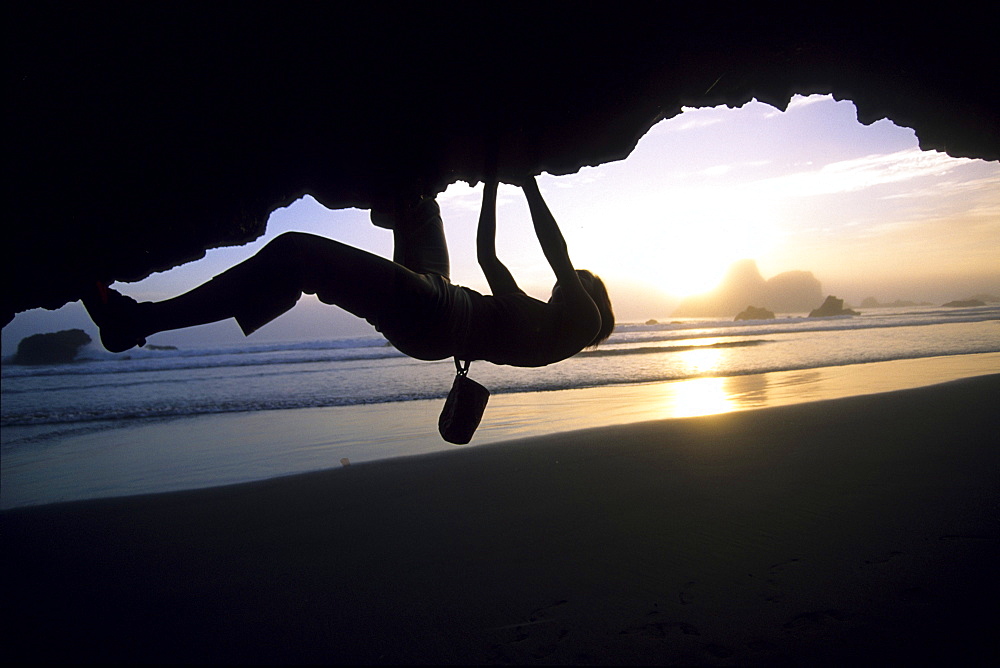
863	208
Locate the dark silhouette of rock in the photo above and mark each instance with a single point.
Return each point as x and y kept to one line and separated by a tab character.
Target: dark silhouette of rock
789	292
754	313
831	307
146	134
959	303
792	291
652	321
51	348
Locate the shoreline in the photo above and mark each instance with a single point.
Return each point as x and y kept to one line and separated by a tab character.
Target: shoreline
861	529
231	448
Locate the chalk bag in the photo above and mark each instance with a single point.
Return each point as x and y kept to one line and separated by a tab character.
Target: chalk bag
463	410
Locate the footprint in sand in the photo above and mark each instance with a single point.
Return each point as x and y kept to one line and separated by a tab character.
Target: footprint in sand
758	645
685	595
913	594
776	569
718	651
774	572
817	620
655	627
967	537
884	558
544	612
536	638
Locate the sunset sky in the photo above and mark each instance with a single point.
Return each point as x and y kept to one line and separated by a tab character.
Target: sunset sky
862	207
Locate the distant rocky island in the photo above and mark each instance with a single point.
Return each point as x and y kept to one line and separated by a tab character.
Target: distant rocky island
974	300
871	302
789	292
58	347
747	294
832	306
754	313
51	348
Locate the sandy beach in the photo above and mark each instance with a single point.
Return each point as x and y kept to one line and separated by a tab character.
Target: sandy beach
857	529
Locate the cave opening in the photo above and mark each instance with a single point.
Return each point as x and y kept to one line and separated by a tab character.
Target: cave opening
809	189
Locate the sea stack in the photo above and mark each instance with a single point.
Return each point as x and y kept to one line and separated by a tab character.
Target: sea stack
831	307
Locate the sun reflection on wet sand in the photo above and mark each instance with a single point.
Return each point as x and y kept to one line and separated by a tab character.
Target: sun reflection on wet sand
701	396
518	415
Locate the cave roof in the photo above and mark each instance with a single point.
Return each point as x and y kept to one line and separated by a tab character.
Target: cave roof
141	134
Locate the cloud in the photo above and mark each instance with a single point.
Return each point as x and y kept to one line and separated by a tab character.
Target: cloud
461	196
799	101
695	123
725	169
971	189
587	176
861	173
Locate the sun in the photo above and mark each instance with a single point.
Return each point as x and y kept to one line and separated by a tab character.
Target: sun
698	243
698	258
689	275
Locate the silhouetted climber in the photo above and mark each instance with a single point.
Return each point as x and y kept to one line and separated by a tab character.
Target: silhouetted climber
409	299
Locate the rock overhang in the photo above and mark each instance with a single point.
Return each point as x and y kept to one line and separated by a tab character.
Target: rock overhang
139	137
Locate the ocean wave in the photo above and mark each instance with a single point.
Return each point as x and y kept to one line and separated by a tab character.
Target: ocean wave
232	358
94	360
133	413
323	374
650	350
635	333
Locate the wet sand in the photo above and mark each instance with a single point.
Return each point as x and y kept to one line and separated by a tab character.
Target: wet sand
858	529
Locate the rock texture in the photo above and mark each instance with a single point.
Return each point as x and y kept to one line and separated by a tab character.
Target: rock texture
832	306
141	134
754	313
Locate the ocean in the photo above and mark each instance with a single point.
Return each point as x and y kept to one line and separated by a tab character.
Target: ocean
48	412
